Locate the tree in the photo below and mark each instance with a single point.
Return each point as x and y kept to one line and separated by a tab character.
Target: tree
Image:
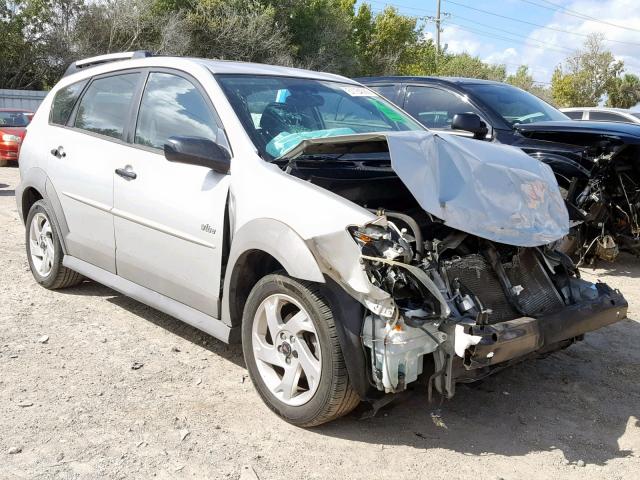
524	80
388	43
586	75
521	79
244	30
465	65
624	92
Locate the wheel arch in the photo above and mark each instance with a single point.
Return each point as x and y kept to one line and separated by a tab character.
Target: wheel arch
36	185
258	248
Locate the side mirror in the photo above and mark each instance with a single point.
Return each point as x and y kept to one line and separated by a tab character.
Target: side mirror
198	151
470	122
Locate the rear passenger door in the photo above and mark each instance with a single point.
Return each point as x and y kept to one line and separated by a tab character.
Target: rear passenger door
87	142
169	217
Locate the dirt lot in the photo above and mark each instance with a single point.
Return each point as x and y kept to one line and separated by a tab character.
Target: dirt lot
73	406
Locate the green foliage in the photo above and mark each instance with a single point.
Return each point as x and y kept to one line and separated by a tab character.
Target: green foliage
465	65
41	37
624	92
586	75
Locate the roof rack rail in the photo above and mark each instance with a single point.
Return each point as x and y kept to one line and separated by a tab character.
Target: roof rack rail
100	59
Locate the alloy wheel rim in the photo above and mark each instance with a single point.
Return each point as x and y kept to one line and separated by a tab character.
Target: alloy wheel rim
41	244
286	349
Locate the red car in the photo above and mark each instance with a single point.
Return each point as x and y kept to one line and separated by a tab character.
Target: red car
13	123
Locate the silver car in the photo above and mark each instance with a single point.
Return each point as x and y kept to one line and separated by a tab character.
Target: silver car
349	249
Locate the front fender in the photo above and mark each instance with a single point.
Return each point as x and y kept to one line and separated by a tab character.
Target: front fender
278	240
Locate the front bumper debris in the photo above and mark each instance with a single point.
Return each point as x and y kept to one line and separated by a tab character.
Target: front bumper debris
488	345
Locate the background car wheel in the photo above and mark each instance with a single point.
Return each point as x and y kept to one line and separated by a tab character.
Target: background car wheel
293	354
44	251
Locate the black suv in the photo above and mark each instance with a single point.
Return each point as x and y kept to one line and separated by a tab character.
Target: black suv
596	163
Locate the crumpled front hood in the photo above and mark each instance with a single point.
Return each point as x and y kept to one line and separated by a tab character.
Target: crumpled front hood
489	190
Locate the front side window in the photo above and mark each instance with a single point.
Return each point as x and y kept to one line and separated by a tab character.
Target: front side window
435	107
514	105
172	106
64	101
104	108
280	112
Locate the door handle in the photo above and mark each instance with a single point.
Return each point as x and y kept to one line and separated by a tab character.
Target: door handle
126	173
58	152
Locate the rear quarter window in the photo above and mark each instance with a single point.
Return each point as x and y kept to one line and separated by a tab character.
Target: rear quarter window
64	101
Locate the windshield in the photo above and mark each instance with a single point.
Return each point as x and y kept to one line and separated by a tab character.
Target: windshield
279	112
515	105
14	119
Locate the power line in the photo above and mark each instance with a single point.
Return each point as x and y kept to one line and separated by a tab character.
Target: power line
514	34
533	24
486	34
541	46
573	13
519	37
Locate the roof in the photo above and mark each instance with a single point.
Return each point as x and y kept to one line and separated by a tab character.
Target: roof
118	61
598	109
425	79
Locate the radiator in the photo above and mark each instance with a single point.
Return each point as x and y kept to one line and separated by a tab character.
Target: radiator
476	274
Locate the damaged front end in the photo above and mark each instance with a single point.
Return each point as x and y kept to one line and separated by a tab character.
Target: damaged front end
473	304
458	271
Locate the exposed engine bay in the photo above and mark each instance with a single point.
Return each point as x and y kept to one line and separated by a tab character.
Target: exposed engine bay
465	305
601	183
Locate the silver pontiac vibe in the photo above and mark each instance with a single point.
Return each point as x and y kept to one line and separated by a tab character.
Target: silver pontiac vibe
349	249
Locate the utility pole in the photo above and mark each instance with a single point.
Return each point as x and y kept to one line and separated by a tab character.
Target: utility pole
438	29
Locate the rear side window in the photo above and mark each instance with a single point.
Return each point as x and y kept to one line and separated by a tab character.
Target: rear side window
64	101
173	106
605	117
104	108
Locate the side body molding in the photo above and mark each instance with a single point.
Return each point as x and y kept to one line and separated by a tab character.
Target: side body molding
278	240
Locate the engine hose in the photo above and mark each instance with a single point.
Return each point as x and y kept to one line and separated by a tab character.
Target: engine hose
411	223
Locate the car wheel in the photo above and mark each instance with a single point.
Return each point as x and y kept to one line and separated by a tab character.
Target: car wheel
44	251
293	354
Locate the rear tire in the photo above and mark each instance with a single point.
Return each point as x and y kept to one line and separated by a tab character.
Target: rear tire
305	341
44	251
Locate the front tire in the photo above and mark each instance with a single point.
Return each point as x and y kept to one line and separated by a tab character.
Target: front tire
293	354
44	251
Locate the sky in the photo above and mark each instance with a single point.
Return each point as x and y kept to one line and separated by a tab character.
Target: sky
538	33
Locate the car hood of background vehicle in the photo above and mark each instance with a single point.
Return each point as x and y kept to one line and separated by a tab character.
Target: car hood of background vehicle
627	132
489	190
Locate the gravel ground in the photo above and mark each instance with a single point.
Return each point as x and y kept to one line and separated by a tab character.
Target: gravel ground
72	405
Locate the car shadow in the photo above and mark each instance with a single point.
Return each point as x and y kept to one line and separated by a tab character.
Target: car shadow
626	265
579	401
171	324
